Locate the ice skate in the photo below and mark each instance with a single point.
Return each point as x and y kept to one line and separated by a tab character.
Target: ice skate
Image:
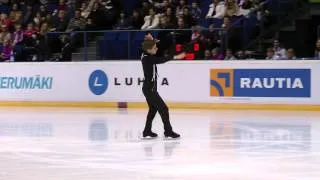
149	134
172	135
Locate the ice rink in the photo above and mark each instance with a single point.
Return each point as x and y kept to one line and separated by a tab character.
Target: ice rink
103	144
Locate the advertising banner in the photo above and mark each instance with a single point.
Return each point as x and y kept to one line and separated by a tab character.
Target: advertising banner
254	82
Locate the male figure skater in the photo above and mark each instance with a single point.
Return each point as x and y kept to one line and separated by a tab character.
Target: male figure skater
155	102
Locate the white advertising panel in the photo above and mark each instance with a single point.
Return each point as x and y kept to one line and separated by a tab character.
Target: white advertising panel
267	82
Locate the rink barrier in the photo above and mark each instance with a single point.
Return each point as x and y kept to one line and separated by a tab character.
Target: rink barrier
271	85
139	105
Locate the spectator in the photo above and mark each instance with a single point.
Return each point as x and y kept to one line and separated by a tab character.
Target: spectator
151	21
216	54
212	37
83	6
30	35
249	55
231	8
5	35
18	35
71	8
188	19
86	9
180	7
241	55
77	23
38	20
161	7
167	4
90	26
278	50
122	22
271	55
144	11
15	14
4	20
226	23
44	29
107	8
106	4
203	44
6	51
207	55
27	15
196	33
229	55
62	5
42	45
195	12
290	54
181	24
66	51
171	18
246	6
60	22
43	12
135	21
317	50
97	17
48	19
217	9
164	23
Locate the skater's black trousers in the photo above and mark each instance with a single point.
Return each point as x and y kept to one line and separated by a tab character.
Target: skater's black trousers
156	104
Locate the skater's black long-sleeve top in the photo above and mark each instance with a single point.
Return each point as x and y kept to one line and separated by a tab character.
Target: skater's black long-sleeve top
149	64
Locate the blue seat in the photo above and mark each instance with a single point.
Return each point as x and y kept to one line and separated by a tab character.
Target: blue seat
155	33
139	35
115	45
18	48
102	52
108	40
135	50
216	22
121	49
110	36
123	35
204	23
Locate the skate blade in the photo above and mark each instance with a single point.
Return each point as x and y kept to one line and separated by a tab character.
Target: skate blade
171	138
148	138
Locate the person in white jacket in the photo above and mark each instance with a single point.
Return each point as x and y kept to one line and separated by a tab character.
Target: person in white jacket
152	21
217	9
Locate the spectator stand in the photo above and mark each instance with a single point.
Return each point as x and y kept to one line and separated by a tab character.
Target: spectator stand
88	44
125	44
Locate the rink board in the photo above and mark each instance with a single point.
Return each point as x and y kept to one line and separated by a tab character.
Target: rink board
286	85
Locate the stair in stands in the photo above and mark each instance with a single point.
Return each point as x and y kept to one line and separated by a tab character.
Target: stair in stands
80	54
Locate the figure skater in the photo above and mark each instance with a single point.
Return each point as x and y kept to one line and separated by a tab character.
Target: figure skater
154	101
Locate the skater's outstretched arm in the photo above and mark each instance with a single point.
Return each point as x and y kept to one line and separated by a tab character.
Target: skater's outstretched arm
165	58
161	60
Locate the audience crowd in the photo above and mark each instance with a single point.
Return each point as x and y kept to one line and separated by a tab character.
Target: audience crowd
25	23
